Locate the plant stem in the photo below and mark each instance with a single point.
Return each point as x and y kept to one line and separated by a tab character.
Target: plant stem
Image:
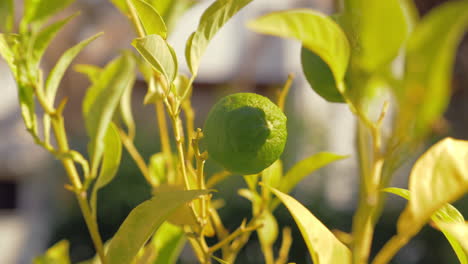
130	147
390	249
62	142
163	133
176	124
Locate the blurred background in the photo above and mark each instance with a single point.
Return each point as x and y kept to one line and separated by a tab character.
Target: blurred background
36	211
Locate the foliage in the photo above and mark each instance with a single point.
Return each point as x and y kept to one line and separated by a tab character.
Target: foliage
345	58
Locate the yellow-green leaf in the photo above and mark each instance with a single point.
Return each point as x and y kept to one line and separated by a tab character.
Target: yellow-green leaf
56	74
101	101
143	221
317	32
323	246
446	215
159	54
439	176
57	254
110	162
150	19
459	231
7	15
210	23
430	57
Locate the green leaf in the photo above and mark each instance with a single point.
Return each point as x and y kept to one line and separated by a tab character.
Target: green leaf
57	254
157	168
378	39
110	164
44	37
430	58
323	246
439	176
459	231
305	167
7	15
91	71
319	76
444	216
102	100
6	51
210	23
56	74
150	18
125	108
26	99
39	10
157	52
143	221
167	243
317	32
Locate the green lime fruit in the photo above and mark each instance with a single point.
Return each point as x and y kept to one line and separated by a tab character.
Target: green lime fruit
245	132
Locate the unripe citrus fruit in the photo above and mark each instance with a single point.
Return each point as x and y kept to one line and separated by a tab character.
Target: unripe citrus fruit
245	132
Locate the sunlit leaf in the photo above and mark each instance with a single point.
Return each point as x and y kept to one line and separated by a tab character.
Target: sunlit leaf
6	51
91	71
110	162
319	76
56	74
143	221
446	215
459	231
439	176
210	23
167	243
317	32
125	108
7	15
102	100
57	254
323	246
150	19
430	58
45	36
39	10
159	54
378	39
